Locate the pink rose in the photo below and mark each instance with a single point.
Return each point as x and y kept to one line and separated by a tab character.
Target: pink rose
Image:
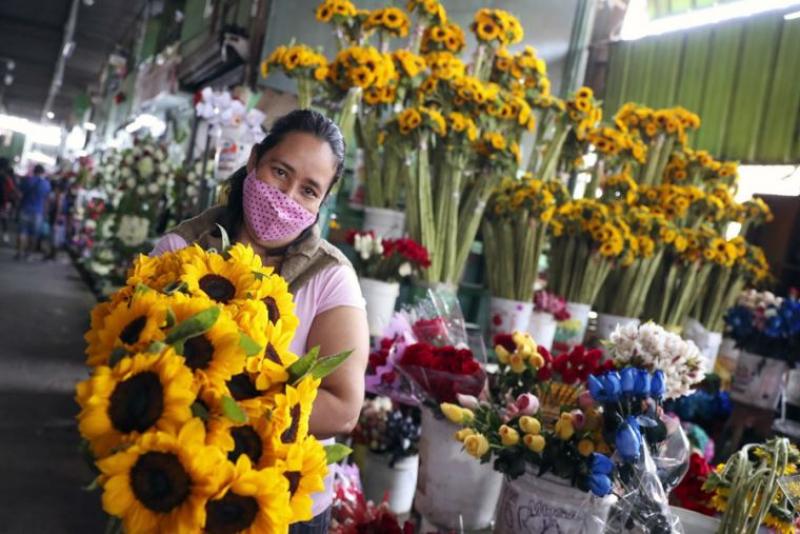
467	401
527	404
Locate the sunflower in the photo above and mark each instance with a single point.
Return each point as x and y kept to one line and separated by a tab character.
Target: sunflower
131	325
273	292
251	501
209	275
251	439
141	393
216	355
304	468
290	416
245	255
324	13
272	368
162	482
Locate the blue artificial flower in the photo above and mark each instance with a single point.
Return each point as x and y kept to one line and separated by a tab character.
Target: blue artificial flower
601	464
628	379
642	386
596	388
657	384
774	327
612	384
628	440
790	313
740	322
600	485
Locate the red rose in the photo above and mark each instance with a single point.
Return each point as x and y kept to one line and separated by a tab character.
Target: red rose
506	341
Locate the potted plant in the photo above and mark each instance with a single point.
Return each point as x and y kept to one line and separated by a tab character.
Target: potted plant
381	264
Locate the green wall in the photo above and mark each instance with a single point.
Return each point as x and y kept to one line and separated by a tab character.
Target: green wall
741	77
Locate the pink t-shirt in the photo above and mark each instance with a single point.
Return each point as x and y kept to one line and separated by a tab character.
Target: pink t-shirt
330	288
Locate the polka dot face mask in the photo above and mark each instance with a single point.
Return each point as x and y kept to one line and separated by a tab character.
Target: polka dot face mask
272	215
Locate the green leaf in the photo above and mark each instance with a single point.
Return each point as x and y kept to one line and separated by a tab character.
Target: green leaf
174	287
117	355
226	240
301	367
337	452
140	289
199	411
93	485
156	347
195	325
232	410
328	365
251	348
114	525
171	319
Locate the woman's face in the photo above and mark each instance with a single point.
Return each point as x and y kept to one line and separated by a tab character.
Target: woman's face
302	166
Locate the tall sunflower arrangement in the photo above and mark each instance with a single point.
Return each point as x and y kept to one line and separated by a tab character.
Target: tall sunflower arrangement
196	412
514	233
300	63
583	115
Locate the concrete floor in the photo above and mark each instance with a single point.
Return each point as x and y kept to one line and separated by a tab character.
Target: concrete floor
44	311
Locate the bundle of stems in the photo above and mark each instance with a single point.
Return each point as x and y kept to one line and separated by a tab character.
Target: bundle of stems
678	286
577	270
512	248
625	291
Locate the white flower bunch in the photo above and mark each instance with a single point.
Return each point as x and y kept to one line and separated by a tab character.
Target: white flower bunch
651	347
758	300
368	246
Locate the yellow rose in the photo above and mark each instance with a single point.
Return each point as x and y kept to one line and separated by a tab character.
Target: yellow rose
508	436
463	434
564	428
454	413
530	425
586	447
476	445
517	363
502	354
534	443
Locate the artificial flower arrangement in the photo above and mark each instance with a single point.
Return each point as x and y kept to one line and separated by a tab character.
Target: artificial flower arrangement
387	260
575	417
758	486
764	324
438	135
196	414
546	302
514	234
388	428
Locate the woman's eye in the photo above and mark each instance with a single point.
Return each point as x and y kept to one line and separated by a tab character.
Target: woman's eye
310	192
279	172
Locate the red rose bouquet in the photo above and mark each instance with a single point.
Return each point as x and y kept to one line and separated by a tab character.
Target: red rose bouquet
443	372
387	260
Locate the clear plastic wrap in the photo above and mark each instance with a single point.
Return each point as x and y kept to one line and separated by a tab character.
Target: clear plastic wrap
672	455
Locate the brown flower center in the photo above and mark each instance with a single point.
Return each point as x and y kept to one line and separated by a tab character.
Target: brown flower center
272	354
160	482
136	403
272	309
217	287
130	334
241	387
246	441
230	514
198	352
290	434
294	480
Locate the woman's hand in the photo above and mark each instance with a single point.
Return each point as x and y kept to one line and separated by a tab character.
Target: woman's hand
341	394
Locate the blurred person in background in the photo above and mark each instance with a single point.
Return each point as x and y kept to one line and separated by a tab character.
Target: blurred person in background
58	214
9	196
35	191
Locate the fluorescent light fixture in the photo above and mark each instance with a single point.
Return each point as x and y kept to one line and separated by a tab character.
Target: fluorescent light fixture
792	16
638	24
148	121
40	157
50	115
76	138
38	133
89	126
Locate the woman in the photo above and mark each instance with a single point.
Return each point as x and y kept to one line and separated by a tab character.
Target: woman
273	206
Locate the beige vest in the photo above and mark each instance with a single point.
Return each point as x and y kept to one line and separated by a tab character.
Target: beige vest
301	262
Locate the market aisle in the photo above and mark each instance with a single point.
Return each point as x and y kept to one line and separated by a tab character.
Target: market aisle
43	313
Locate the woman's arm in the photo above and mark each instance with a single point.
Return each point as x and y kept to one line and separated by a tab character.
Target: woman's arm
341	394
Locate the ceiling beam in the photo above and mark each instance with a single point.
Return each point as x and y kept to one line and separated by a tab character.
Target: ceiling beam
58	71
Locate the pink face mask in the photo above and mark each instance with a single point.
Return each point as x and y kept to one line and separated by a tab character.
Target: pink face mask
272	215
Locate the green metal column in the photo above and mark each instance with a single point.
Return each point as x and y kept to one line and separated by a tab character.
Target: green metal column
579	40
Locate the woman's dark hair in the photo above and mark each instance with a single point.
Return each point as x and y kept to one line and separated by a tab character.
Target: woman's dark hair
299	120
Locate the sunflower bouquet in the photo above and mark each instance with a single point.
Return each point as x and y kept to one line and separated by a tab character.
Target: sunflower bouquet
514	233
300	63
196	413
758	486
583	115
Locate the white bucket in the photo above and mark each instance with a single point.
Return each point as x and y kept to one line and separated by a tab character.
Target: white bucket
549	504
454	490
708	342
507	316
758	380
389	224
543	329
572	331
398	482
695	523
607	323
381	298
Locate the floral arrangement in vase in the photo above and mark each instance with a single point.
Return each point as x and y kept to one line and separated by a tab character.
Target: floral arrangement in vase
572	417
196	414
388	428
758	486
387	260
546	302
764	324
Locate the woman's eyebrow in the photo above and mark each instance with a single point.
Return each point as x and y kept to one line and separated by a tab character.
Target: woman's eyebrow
312	182
281	162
